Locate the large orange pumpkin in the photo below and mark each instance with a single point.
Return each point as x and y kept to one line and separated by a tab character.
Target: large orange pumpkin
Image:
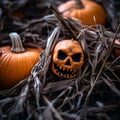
16	62
88	12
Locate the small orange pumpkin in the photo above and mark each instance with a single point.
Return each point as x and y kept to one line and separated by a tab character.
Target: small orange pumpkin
17	14
85	11
16	62
117	50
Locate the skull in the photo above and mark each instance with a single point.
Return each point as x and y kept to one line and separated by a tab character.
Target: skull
68	58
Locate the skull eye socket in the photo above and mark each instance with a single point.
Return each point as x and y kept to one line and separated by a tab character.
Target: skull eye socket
61	55
76	57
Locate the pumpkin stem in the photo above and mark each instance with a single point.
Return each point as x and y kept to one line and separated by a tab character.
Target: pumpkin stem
79	4
17	46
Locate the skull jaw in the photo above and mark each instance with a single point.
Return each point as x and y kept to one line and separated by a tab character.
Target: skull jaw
68	76
63	73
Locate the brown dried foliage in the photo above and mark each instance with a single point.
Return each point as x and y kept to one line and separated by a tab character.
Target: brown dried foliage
93	95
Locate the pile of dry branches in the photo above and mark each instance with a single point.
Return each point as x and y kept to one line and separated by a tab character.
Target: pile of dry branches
93	95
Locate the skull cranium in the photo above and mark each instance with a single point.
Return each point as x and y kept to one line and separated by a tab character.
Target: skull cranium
68	58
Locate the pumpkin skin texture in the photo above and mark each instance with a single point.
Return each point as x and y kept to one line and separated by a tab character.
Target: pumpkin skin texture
85	14
15	67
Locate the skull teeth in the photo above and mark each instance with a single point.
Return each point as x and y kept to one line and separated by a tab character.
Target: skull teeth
60	67
66	73
63	69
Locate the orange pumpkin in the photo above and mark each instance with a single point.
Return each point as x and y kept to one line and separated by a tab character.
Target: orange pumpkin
16	62
18	14
85	11
117	50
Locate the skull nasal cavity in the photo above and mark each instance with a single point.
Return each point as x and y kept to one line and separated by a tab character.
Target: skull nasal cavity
68	62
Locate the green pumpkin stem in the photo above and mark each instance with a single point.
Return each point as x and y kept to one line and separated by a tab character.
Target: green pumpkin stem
79	4
17	46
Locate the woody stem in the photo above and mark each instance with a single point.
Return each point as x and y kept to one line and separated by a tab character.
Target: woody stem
79	4
17	46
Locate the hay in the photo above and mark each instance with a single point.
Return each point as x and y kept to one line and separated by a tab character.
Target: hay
94	94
